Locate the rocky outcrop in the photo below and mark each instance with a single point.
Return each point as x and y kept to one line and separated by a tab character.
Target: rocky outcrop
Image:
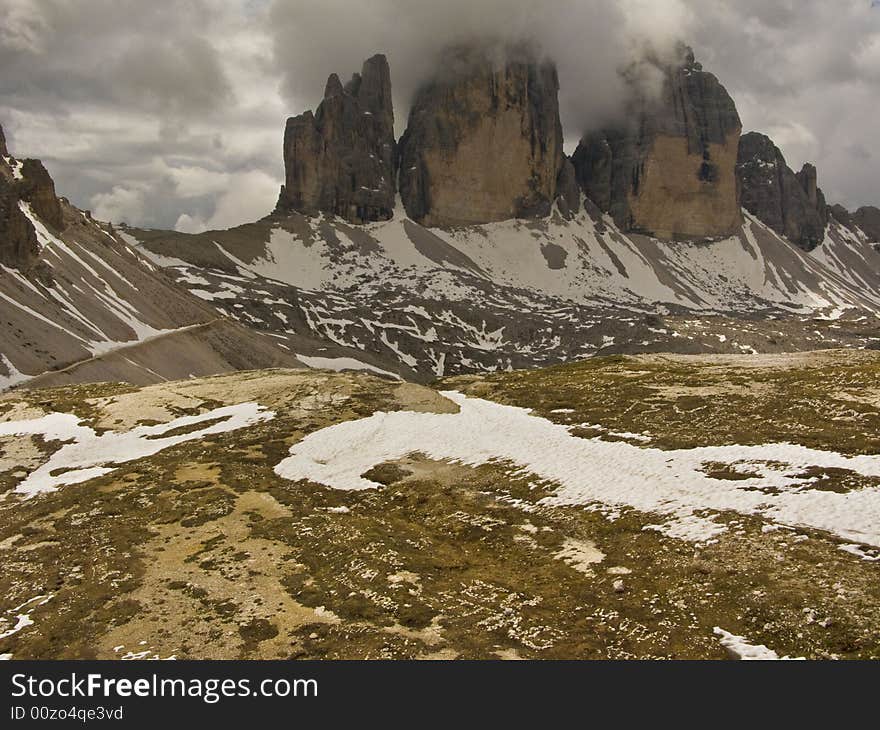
24	185
669	172
3	151
37	188
868	220
568	192
341	159
19	247
484	141
791	204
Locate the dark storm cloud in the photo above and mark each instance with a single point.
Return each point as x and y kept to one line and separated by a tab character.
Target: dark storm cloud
590	40
171	112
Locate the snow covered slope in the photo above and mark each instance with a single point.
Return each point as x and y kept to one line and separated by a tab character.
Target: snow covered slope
90	295
428	302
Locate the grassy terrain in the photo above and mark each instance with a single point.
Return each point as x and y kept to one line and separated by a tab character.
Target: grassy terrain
201	551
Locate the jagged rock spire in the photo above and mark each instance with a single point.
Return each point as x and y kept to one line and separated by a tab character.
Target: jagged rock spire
341	159
791	204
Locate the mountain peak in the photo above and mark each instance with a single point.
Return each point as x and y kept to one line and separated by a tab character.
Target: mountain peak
790	203
26	190
649	181
484	141
340	160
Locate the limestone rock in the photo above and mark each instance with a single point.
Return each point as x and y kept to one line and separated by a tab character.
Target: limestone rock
841	214
18	239
23	184
37	188
484	140
341	159
568	192
791	204
670	171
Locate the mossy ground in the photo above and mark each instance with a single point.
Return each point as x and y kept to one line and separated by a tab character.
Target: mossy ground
201	551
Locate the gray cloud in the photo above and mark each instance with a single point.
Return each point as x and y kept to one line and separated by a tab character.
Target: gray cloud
171	112
590	40
140	108
808	74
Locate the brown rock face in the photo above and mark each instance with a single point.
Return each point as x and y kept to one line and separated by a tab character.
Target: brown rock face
791	204
25	182
671	172
37	188
568	192
341	159
484	141
18	239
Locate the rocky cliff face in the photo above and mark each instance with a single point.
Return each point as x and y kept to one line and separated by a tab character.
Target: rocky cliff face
791	204
18	239
24	185
868	219
484	142
671	171
341	159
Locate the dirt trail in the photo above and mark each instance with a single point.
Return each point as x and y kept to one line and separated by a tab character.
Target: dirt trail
35	381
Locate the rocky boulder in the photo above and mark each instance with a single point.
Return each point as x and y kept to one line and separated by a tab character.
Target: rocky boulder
484	140
670	170
3	151
791	204
341	159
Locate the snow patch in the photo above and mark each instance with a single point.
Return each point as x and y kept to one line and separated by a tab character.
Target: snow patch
340	364
22	618
89	455
741	649
599	474
14	376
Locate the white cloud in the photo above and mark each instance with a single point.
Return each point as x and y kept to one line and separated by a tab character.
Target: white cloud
189	224
119	205
246	198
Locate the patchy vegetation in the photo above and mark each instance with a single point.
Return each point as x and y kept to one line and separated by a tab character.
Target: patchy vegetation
202	551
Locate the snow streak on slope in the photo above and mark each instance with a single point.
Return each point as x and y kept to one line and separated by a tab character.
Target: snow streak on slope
850	255
341	364
600	474
89	294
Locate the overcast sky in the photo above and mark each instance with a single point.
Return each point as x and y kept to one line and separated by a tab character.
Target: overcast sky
170	113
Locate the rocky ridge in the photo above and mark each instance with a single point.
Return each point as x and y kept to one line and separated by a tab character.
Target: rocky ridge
26	188
484	144
669	171
791	204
